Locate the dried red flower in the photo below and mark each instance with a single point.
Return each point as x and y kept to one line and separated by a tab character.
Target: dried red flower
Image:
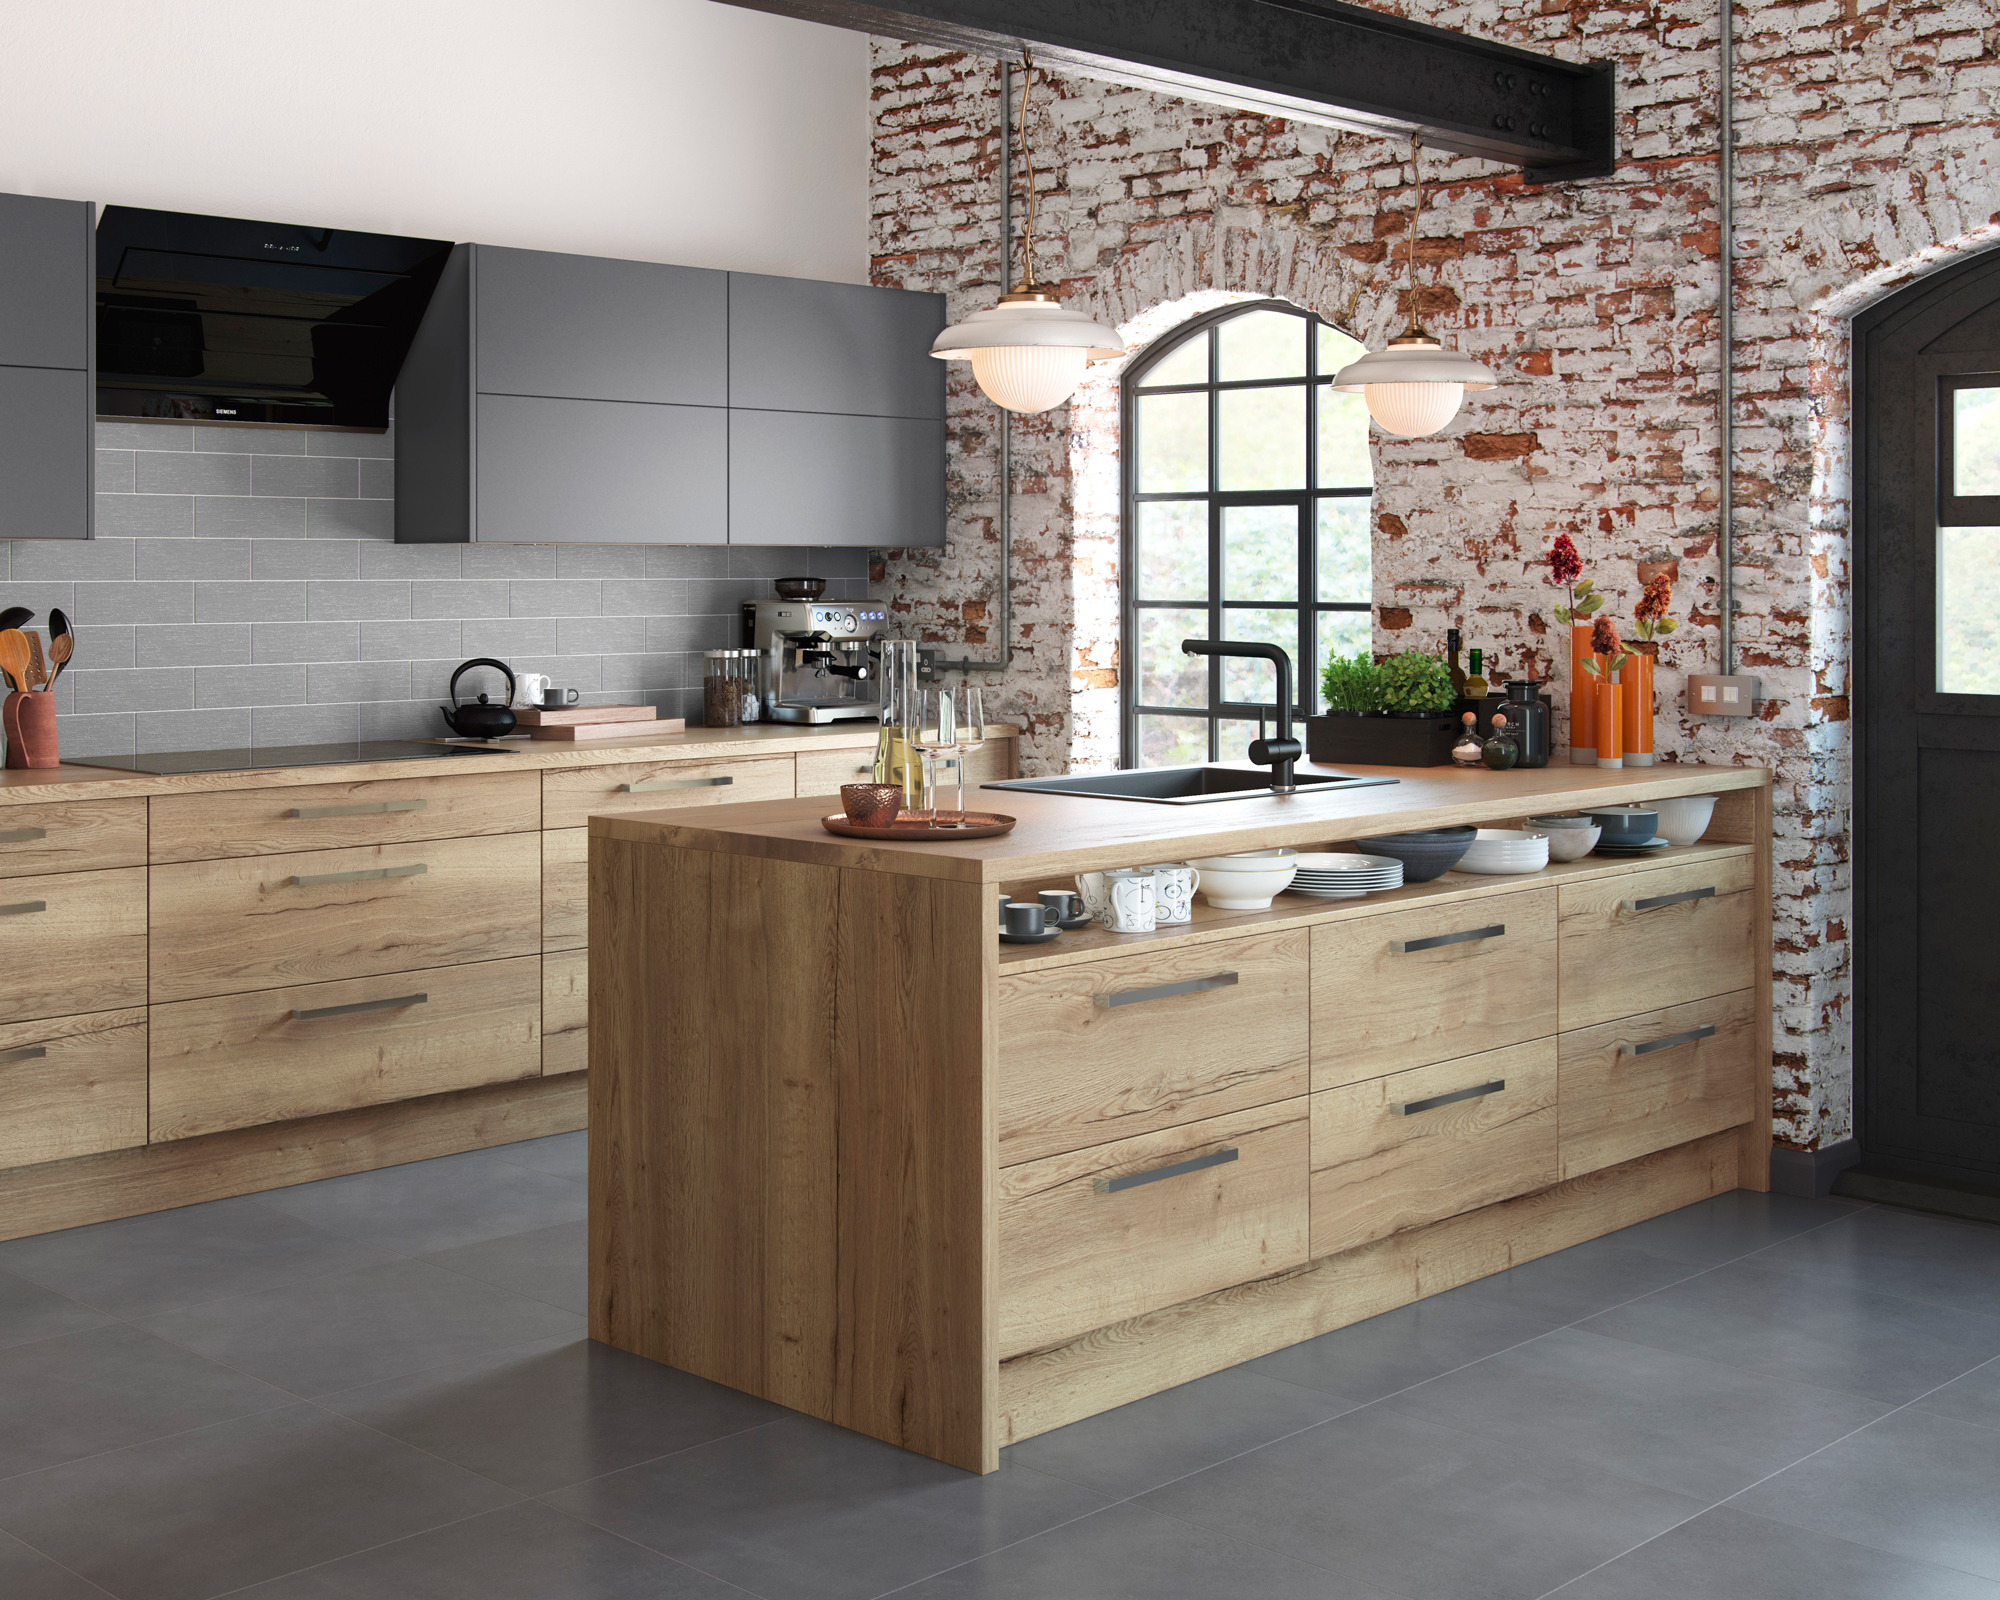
1565	565
1604	637
1654	602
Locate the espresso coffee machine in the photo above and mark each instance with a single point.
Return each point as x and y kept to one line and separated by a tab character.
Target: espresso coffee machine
814	662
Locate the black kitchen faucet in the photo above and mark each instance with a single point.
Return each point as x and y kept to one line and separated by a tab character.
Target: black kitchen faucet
1280	753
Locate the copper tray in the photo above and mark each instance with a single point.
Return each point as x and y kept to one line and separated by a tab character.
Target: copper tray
979	825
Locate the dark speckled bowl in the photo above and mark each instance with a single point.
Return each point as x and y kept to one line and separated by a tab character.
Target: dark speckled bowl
1426	855
1624	824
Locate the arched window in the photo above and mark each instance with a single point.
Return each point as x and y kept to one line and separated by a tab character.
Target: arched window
1247	491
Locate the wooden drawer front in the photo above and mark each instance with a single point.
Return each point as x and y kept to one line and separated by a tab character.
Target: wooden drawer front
72	942
1414	987
1078	1252
1397	1152
565	1012
1110	1049
1646	1083
1624	951
334	816
72	836
824	771
72	1087
566	889
570	799
221	927
285	1053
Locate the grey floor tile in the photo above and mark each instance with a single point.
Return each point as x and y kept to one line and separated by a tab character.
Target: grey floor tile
29	1312
103	1389
802	1510
435	1205
1168	1435
1124	1553
29	1575
1725	1555
210	1511
527	1552
1972	1398
538	1417
1578	1282
1674	1421
1832	1335
549	1264
1916	1484
1726	1226
361	1327
1401	1347
183	1257
1425	1511
1933	1259
562	1155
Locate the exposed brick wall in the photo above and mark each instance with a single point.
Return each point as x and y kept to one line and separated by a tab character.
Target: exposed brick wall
1869	151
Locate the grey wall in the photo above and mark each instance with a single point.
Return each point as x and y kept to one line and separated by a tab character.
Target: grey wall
245	588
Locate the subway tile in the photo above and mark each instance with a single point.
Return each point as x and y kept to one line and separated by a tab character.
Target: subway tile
144	436
582	673
458	599
41	597
692	633
328	602
645	597
250	441
687	561
305	558
379	445
378	479
101	647
71	560
304	641
130	602
596	636
641	672
271	725
145	516
351	519
249	686
408	641
358	680
720	596
114	472
248	517
769	561
250	602
401	719
600	561
553	597
318	476
507	561
517	636
192	730
169	472
834	561
433	563
155	689
6	556
193	558
94	736
220	644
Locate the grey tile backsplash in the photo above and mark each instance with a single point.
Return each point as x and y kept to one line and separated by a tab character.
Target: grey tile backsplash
245	587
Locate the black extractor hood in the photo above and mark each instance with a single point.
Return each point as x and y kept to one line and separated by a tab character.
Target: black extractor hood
216	319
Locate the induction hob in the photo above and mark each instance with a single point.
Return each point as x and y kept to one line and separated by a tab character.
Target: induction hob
168	762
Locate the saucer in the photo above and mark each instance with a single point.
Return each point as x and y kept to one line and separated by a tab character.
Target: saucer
1607	848
1031	938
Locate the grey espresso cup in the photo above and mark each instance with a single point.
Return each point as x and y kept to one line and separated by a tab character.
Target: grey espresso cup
556	699
1060	905
1024	920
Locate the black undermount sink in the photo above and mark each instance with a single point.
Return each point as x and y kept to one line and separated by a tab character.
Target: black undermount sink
1182	786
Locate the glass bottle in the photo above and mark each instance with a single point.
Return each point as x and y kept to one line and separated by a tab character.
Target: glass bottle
1475	680
1451	644
1500	752
895	761
1468	752
1529	716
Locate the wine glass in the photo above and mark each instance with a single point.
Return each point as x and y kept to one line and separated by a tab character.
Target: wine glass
932	734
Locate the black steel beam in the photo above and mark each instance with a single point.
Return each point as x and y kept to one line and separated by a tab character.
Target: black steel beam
1310	60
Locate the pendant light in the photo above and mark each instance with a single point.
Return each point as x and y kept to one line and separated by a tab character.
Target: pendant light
1028	353
1414	386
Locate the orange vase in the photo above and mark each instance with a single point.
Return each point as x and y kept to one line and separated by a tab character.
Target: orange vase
1636	729
1610	746
1582	698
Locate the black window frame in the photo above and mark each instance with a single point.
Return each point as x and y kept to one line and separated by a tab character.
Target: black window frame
1308	605
1953	511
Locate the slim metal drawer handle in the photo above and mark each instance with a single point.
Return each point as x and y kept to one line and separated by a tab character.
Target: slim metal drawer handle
1705	1031
1659	900
1165	991
1132	1180
22	908
23	835
27	1052
361	811
1410	1108
360	1005
360	877
676	783
1403	947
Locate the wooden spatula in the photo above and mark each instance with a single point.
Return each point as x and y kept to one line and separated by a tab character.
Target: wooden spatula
38	672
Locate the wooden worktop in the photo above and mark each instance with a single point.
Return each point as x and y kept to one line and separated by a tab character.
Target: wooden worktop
1059	834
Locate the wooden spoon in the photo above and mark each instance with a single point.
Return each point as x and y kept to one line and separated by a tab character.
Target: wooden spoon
60	650
14	656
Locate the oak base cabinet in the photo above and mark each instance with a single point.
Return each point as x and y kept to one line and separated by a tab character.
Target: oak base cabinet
73	1086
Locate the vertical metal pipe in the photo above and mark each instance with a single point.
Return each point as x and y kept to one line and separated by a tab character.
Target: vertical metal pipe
1726	323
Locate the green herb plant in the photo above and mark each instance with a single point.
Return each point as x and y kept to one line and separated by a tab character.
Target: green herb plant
1351	683
1413	682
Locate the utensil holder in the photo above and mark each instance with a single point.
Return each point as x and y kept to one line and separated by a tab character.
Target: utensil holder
28	717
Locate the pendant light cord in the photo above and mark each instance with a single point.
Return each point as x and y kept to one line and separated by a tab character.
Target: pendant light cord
1027	162
1416	220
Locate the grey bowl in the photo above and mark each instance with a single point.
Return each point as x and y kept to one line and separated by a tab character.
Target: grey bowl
1426	855
1624	824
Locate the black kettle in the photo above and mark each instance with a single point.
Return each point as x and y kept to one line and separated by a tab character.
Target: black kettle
479	720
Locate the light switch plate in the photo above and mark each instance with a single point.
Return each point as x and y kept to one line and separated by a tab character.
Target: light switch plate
1710	694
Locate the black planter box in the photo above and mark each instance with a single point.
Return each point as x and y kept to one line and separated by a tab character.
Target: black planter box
1379	741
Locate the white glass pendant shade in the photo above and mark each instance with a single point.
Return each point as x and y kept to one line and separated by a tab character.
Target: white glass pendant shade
1028	353
1414	387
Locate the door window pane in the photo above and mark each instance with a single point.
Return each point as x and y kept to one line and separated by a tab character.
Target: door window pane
1345	461
1256	682
1975	441
1173	550
1260	552
1261	344
1336	350
1167	676
1346	566
1968	576
1234	736
1341	633
1187	364
1263	438
1173	741
1173	443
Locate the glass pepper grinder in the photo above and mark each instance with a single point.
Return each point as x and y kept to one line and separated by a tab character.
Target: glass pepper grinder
1500	752
1468	752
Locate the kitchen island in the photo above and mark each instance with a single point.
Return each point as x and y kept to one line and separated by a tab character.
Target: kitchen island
852	1154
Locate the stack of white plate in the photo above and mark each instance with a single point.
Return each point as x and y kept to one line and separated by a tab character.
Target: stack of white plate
1346	875
1502	850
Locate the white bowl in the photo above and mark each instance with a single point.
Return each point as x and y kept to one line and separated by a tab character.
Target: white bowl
1684	819
1505	850
1244	891
1258	861
1573	844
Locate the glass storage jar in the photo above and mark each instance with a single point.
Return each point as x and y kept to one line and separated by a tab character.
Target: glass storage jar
721	690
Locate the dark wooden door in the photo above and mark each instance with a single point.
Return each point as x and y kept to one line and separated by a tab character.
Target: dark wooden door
1927	638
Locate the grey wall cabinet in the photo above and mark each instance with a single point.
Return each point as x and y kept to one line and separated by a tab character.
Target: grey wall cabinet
801	477
798	345
47	300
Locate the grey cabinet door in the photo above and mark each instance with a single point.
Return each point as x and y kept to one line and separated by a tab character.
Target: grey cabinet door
586	328
810	478
601	472
799	345
47	284
45	453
